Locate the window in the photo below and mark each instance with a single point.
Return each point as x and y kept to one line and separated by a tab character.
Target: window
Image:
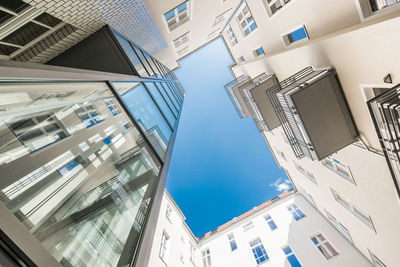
168	213
232	37
213	34
248	226
270	222
232	242
240	59
220	18
24	30
298	35
112	106
164	246
38	130
339	168
246	20
305	172
192	253
280	153
294	262
272	6
324	246
340	227
183	51
258	52
182	39
376	261
380	4
296	212
205	254
307	196
178	16
259	251
89	115
361	215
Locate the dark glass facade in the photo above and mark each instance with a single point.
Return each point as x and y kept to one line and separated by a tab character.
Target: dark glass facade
81	161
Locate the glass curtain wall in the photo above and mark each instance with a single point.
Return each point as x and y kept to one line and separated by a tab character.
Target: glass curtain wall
80	176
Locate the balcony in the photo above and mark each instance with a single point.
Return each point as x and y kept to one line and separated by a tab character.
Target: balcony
313	113
384	110
249	97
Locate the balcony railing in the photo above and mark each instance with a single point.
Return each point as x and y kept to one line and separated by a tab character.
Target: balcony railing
384	110
313	113
237	97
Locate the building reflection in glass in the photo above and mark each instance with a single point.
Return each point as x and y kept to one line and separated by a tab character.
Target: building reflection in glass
79	175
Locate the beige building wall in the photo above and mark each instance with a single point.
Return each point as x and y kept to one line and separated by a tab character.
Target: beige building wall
362	54
201	25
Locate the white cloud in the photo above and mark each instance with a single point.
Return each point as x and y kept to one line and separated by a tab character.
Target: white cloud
281	185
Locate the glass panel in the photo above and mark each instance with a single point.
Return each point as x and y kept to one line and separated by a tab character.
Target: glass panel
146	113
167	97
144	61
152	65
154	91
85	196
171	94
132	55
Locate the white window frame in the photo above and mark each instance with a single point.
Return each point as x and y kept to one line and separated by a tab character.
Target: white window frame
268	220
322	243
294	211
176	17
268	6
289	254
255	51
232	36
307	196
168	213
232	240
339	226
336	166
248	226
213	34
375	260
240	59
306	173
258	243
355	210
221	18
365	11
245	17
182	39
183	51
285	38
206	257
164	246
192	253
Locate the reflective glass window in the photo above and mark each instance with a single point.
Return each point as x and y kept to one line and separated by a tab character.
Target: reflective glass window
132	55
144	61
82	191
146	113
166	110
167	97
171	94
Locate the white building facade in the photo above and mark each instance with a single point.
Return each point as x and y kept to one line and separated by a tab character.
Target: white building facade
285	231
354	184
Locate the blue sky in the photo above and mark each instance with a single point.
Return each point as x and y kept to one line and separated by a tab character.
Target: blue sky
221	167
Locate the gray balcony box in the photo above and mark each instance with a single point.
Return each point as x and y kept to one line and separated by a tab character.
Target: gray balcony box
235	93
262	106
317	112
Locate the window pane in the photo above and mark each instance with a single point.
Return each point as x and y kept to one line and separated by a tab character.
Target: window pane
131	55
154	91
171	94
86	204
167	98
146	114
